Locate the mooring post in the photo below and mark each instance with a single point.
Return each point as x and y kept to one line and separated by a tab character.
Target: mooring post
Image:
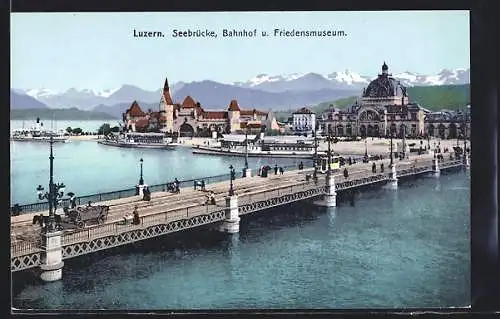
436	170
232	222
394	177
51	259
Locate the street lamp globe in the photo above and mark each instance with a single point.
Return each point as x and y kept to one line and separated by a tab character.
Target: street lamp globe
39	190
62	188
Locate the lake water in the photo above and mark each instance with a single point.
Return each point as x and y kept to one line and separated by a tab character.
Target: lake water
86	126
385	249
87	167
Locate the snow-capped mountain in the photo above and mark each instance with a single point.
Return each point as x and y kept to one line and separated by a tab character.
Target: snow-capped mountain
348	79
86	99
287	89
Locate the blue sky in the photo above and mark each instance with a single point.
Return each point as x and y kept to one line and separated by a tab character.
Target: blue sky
97	50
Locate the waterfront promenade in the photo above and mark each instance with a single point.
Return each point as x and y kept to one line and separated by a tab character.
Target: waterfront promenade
168	213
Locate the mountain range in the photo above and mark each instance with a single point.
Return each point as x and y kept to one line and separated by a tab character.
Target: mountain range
263	91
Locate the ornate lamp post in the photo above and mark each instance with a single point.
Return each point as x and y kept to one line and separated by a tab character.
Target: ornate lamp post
246	148
329	172
465	129
366	150
232	177
141	180
391	150
315	157
54	194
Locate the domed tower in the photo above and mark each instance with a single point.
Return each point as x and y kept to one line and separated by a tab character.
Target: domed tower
384	90
166	109
234	115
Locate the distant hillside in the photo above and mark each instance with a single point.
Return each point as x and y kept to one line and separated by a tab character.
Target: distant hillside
340	103
440	97
58	114
214	95
118	109
433	98
22	101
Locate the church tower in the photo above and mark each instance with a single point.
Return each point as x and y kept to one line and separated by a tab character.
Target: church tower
166	109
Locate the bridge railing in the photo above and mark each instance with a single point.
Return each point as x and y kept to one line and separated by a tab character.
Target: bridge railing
21	248
82	200
116	228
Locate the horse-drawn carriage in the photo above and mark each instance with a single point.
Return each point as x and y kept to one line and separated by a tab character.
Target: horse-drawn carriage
81	216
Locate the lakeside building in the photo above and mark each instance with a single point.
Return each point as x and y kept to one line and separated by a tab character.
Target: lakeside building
385	108
190	119
303	121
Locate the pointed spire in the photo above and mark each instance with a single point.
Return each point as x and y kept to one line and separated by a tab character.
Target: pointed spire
166	93
165	87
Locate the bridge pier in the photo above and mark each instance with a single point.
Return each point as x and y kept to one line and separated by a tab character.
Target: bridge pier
466	161
330	196
139	190
232	222
393	182
51	259
247	172
435	168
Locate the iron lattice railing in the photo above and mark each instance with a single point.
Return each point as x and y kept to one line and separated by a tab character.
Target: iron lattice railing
129	192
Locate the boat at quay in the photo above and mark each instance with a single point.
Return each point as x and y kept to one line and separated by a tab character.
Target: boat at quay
138	140
259	146
37	133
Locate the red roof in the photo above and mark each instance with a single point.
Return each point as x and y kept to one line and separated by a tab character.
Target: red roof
141	123
215	115
252	112
166	93
135	110
188	102
168	99
199	110
233	106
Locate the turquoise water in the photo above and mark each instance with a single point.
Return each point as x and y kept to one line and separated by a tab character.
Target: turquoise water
385	249
86	126
87	167
391	249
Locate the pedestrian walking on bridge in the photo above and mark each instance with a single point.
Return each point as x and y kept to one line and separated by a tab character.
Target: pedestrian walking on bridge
281	170
275	169
346	173
374	168
136	219
381	167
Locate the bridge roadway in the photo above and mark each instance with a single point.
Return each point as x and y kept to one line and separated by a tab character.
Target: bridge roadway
21	226
167	212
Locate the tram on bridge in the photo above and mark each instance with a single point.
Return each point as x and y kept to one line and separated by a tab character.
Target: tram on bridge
322	163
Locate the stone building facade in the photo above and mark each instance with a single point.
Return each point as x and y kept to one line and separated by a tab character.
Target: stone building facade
190	119
303	121
385	108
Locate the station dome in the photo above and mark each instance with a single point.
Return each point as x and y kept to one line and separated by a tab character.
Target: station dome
384	86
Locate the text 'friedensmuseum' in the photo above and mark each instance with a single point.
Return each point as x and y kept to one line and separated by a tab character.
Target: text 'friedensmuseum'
239	33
